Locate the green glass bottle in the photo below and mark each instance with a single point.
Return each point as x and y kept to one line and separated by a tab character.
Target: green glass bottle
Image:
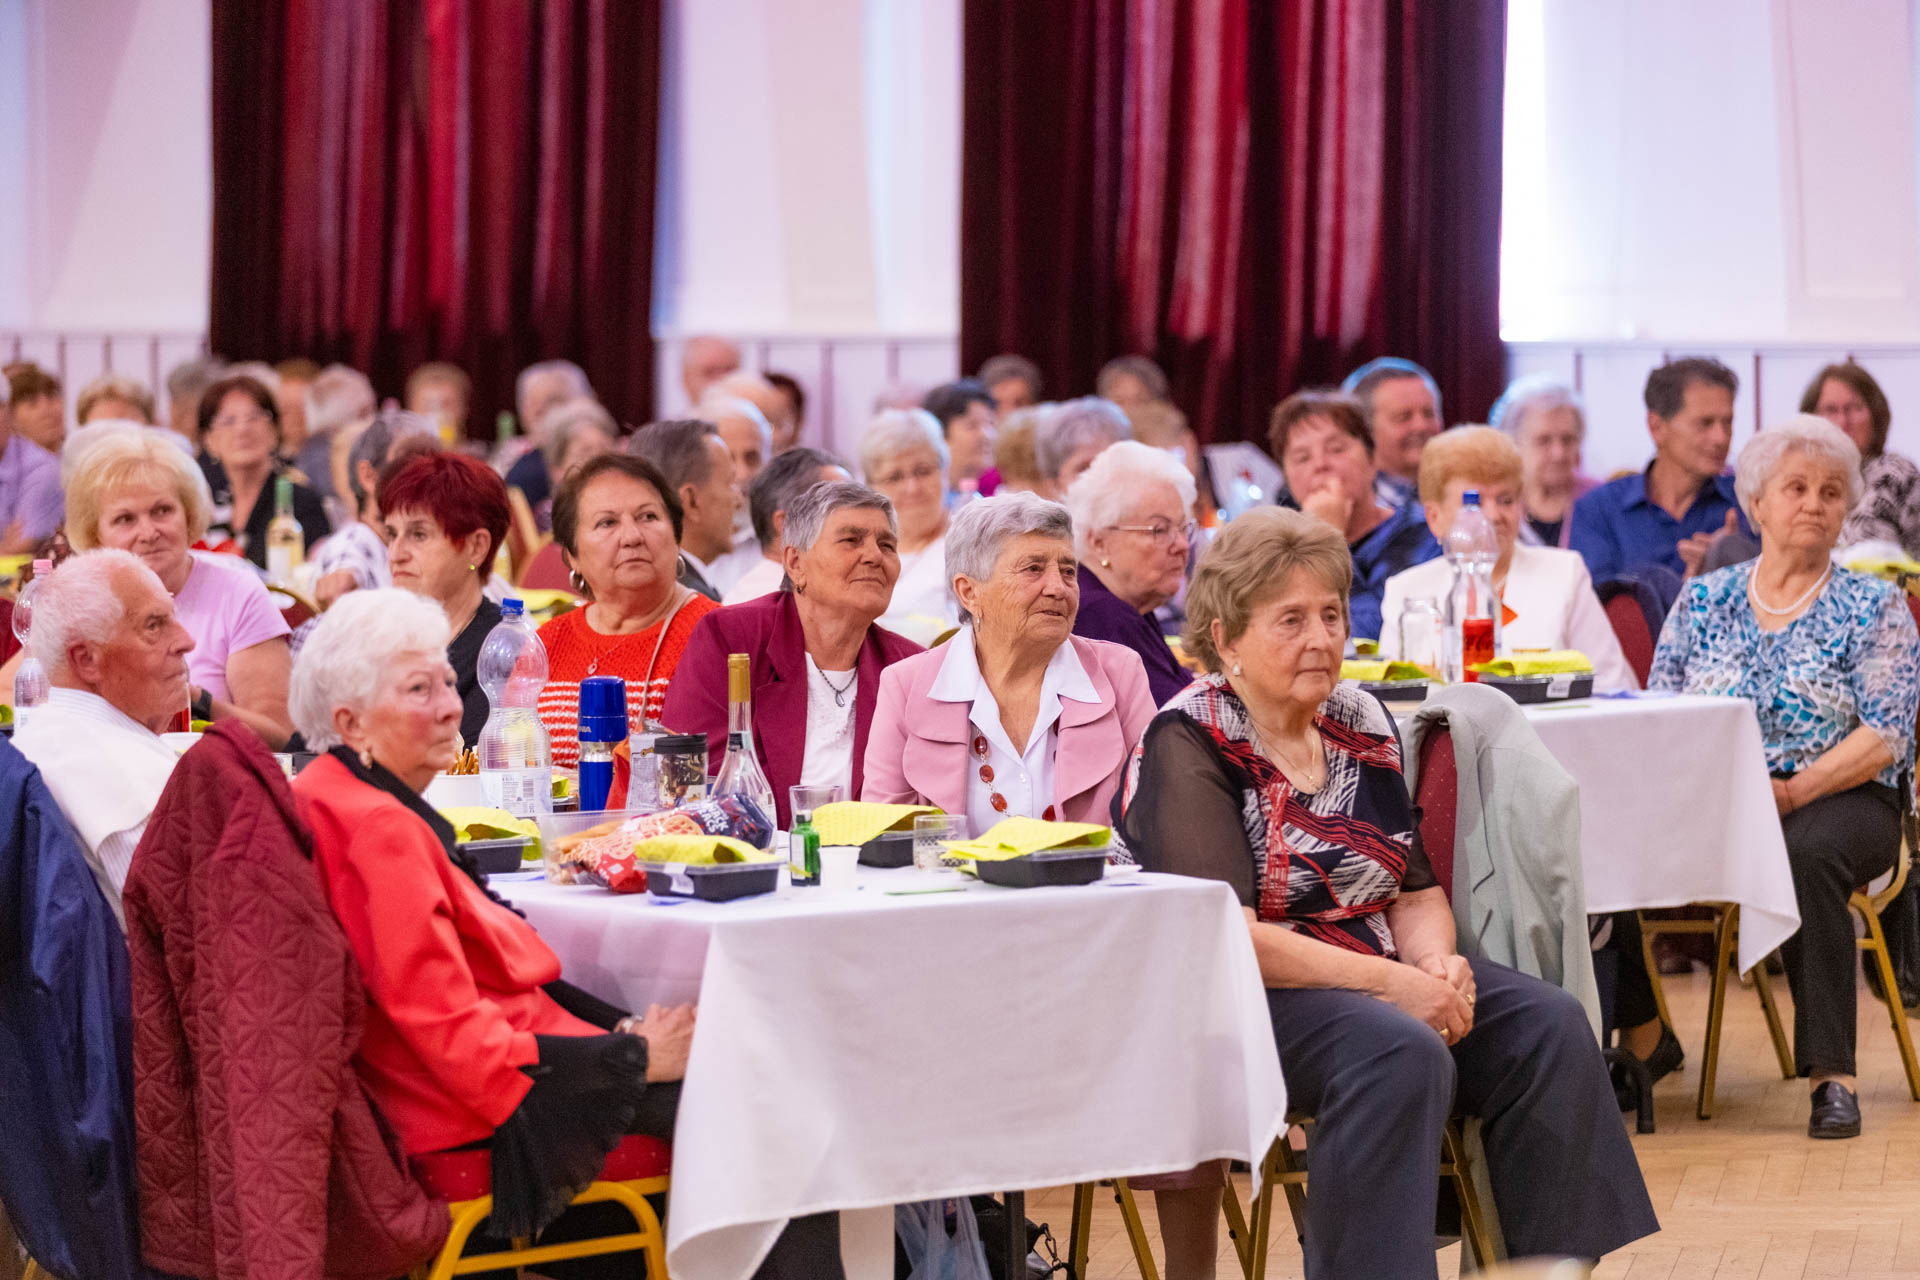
803	850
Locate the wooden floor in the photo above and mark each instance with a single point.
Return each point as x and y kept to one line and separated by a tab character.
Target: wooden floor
1744	1196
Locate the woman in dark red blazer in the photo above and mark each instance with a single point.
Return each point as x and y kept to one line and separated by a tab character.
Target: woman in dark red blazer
816	652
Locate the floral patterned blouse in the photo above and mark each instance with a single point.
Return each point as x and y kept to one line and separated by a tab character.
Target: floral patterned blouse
1852	658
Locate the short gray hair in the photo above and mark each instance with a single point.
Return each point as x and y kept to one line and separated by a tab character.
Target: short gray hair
573	372
894	431
1804	434
567	420
79	603
981	529
337	396
783	479
1533	394
1072	426
375	445
186	380
715	407
1104	491
807	514
347	655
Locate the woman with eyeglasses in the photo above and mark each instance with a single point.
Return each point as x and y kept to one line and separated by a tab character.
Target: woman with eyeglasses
240	432
904	456
1133	534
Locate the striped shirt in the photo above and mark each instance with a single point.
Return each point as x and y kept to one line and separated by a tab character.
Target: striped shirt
575	650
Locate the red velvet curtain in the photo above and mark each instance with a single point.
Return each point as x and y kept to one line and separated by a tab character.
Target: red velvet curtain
1259	195
469	180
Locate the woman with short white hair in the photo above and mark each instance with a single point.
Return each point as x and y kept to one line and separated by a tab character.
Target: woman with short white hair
1547	421
1016	715
1070	437
135	490
1134	539
471	1036
904	455
1830	661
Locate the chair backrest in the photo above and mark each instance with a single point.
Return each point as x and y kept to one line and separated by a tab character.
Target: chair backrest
546	570
294	607
1438	795
1636	637
523	531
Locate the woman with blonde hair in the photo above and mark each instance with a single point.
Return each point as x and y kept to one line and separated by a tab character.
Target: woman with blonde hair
137	491
1547	594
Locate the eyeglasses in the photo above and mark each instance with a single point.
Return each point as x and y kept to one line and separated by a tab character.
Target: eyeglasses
922	474
255	419
1160	531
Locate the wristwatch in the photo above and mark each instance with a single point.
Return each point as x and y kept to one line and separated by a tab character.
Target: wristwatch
201	708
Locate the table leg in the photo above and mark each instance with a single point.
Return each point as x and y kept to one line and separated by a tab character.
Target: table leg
1016	1256
866	1243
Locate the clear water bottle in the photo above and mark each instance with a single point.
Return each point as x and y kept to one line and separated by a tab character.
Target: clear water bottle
1473	606
516	760
30	683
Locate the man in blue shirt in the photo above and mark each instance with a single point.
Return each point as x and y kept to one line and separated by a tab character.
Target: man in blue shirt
1402	404
1667	514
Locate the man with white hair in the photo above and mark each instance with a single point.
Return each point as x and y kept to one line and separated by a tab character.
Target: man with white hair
704	361
772	403
31	501
338	398
116	657
540	389
749	439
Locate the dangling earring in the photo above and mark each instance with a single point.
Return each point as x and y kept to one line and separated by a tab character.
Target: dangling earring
366	757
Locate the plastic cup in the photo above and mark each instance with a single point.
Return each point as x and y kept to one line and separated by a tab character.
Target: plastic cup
839	868
929	830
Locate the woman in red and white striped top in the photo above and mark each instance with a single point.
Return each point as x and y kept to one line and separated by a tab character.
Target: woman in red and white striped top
619	523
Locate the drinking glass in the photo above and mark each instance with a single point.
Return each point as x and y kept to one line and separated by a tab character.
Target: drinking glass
809	799
929	829
1423	634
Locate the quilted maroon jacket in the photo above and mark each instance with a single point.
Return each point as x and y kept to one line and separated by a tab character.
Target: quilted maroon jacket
257	1153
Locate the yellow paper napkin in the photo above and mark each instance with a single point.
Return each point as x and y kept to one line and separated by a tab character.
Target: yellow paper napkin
856	822
1551	662
700	851
1017	837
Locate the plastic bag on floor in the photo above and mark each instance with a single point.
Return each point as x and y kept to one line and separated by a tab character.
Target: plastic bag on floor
941	1239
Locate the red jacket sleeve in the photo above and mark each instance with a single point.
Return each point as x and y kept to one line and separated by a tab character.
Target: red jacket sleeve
386	891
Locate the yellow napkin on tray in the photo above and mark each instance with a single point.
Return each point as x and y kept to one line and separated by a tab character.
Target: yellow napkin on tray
1017	837
698	851
1379	669
1552	662
477	822
856	822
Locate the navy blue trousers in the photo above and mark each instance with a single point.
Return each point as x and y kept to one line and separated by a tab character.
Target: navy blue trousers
1381	1086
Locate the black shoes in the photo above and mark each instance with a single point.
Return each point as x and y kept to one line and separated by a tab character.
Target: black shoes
1836	1112
1667	1057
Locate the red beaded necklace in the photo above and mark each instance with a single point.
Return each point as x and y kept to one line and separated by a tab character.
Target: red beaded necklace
983	753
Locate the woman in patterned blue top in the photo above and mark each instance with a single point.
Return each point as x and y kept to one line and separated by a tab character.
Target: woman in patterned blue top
1828	657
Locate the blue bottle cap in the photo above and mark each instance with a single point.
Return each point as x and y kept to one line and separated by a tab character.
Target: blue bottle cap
512	607
1472	496
603	709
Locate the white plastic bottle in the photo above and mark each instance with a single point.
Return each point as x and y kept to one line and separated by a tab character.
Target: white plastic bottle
515	756
30	684
1473	606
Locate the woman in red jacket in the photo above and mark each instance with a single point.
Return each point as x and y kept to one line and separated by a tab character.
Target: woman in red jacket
471	1036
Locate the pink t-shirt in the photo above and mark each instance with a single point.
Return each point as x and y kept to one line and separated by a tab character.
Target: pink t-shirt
225	608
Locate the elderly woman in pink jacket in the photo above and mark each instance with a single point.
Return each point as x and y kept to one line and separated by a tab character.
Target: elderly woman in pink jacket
1015	715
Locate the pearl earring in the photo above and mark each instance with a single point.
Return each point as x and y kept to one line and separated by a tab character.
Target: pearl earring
1106	564
1236	668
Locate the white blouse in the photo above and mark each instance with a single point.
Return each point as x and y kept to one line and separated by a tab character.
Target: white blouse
923	606
828	758
1554	606
1024	776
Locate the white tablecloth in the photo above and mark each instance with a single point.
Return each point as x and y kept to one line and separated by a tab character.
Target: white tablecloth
1676	807
866	1049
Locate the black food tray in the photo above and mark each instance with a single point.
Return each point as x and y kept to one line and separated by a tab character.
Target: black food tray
888	849
1542	688
499	855
720	882
1398	690
1064	866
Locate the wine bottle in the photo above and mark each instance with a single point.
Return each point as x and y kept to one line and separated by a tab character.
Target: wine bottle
740	772
286	543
